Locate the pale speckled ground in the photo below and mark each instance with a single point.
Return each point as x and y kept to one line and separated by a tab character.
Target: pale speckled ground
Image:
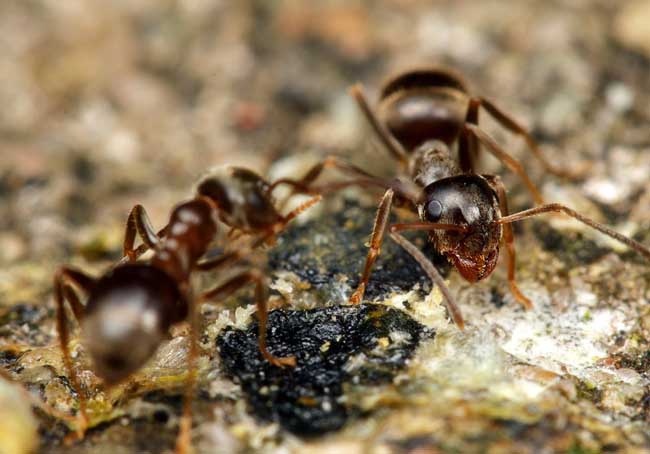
105	106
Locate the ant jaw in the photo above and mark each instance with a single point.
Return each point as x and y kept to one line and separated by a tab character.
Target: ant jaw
474	269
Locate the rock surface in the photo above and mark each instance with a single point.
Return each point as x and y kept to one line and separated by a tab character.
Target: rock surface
109	104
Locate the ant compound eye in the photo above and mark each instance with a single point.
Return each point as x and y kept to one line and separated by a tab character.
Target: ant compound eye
434	210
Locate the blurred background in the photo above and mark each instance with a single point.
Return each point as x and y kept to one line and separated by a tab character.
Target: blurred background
107	104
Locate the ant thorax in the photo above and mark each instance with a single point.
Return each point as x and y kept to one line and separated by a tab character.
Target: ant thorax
430	162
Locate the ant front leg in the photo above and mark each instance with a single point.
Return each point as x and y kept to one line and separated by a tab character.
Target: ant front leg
509	240
378	230
514	127
62	292
138	223
261	297
305	184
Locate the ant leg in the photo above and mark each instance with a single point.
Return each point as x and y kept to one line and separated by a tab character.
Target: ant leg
514	127
361	178
381	220
468	147
392	145
221	260
362	183
433	274
304	184
505	158
184	437
230	258
509	240
71	296
261	297
138	222
62	291
557	207
330	162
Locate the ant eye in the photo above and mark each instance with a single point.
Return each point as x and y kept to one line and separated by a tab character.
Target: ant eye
434	210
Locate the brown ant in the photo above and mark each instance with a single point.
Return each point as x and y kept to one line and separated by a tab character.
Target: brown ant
130	309
422	113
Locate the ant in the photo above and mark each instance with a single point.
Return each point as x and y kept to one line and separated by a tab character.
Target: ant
130	309
422	114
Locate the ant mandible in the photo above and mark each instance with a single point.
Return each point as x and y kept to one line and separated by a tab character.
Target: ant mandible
422	114
130	309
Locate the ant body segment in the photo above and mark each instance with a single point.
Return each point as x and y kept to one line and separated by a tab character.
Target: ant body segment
422	114
130	309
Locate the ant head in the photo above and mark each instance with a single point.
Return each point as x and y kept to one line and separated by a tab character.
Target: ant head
128	314
466	200
242	197
421	104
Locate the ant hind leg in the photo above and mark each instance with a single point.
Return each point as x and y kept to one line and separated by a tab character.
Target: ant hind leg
64	292
509	123
392	145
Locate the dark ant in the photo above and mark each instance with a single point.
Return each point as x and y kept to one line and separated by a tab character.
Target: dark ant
130	309
422	114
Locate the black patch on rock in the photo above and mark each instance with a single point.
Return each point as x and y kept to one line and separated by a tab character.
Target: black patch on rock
305	399
322	251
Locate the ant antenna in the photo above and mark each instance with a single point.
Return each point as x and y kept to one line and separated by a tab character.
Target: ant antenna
559	208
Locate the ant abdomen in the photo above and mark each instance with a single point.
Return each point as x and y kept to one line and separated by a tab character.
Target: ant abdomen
423	78
424	103
243	198
128	314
